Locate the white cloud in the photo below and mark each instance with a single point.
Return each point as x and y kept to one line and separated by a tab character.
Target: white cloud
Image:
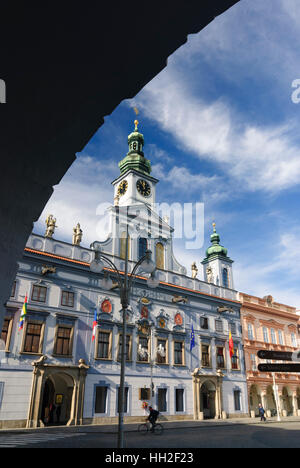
254	44
254	157
76	198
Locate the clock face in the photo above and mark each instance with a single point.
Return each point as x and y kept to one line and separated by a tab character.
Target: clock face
143	188
123	188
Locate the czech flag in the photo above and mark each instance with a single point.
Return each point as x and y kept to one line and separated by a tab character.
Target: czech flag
95	324
231	345
23	314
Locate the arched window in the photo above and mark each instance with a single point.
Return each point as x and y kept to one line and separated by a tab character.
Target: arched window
225	278
123	246
143	245
160	256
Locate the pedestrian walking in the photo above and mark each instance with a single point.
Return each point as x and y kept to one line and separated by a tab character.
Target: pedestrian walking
261	412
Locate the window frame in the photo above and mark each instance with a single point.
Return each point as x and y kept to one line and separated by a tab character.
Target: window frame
206	322
7	341
40	287
181	341
69	293
70	340
106	399
164	390
108	333
138	358
166	347
203	354
29	322
265	334
251	330
219	326
182	390
119	349
237	357
223	356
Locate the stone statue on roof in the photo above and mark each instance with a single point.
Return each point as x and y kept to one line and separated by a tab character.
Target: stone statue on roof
51	226
77	235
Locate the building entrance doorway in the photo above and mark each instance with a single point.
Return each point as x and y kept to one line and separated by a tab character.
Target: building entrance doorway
57	399
208	400
57	394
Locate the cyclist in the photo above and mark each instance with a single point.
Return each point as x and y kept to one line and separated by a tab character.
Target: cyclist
152	418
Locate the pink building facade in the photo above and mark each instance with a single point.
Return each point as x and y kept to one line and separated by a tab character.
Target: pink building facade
268	325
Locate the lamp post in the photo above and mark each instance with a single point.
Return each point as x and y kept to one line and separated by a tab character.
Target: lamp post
157	351
276	397
125	287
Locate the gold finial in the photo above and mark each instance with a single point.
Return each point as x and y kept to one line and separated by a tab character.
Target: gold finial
214	226
136	122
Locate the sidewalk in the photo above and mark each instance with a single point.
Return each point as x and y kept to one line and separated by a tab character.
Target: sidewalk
168	425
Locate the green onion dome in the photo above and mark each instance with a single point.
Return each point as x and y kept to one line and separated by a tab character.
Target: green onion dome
216	249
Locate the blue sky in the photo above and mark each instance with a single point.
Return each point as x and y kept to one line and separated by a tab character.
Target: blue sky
220	128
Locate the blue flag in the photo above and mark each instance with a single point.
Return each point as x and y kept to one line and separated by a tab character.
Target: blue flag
193	344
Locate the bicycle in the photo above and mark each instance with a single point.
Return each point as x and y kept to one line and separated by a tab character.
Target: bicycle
144	428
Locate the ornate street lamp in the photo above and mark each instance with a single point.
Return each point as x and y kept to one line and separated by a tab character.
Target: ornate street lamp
125	286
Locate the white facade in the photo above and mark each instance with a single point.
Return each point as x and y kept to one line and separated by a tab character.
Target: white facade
53	359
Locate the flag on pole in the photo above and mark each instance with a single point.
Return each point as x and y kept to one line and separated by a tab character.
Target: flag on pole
95	324
193	344
23	314
231	345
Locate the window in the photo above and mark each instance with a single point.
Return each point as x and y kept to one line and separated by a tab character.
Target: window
6	331
237	400
143	349
179	400
204	323
104	345
235	360
250	332
273	336
33	338
143	245
125	400
266	336
219	326
225	278
161	354
178	353
67	299
205	356
280	337
101	400
64	338
293	339
145	394
39	293
253	362
232	326
123	246
128	347
160	256
162	400
220	357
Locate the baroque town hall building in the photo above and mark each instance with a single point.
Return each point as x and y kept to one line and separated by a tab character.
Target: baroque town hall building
53	360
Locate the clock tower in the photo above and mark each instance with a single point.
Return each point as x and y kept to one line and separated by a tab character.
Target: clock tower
135	184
